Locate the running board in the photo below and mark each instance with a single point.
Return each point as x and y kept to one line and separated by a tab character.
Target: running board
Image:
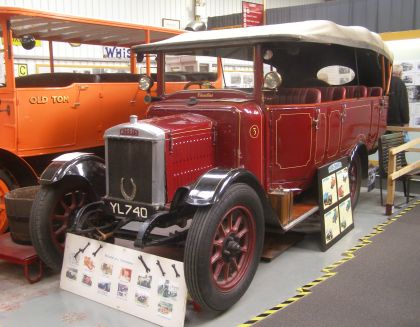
290	213
301	218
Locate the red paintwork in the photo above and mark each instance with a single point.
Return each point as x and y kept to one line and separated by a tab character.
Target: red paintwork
233	120
279	144
189	149
297	148
202	94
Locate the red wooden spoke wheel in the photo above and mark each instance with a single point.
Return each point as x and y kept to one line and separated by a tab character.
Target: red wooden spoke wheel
63	215
233	247
53	212
223	248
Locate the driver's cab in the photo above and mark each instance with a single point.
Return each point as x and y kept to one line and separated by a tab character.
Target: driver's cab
231	68
254	72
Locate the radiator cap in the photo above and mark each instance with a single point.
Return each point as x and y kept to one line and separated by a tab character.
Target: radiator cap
133	119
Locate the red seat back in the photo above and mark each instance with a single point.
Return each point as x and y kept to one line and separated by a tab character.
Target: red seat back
298	96
332	93
356	91
374	91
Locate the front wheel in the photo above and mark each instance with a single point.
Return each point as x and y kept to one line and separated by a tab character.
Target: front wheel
53	212
223	248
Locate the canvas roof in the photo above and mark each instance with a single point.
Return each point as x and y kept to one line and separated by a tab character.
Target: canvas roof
318	31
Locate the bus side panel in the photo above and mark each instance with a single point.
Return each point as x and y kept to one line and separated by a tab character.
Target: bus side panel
47	119
7	121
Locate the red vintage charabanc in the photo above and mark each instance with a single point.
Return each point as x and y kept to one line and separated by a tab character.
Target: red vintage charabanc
215	165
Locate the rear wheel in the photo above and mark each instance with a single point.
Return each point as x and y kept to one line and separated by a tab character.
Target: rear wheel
6	185
223	248
355	178
53	212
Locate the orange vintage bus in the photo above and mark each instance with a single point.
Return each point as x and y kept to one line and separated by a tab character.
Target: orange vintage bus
44	115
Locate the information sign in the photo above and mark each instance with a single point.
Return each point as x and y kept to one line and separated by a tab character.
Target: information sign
144	285
252	14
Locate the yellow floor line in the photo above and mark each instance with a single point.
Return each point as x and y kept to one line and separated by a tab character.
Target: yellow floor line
348	255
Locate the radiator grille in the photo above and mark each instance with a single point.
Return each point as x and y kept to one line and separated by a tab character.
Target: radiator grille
130	159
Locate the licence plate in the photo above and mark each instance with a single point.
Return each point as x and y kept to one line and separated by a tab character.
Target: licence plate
128	210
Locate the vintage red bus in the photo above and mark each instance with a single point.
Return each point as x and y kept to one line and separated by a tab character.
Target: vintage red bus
219	164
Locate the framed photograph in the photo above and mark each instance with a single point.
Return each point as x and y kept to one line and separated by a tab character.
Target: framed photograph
171	23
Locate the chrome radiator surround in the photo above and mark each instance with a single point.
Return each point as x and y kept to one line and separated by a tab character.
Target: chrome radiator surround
135	163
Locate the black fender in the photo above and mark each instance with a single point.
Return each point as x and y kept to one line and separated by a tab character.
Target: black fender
361	150
211	186
87	166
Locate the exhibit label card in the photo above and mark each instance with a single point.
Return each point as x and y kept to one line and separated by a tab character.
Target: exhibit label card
144	285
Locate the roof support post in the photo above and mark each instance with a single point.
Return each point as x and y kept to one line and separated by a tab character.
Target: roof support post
133	67
147	55
8	54
160	73
258	72
50	46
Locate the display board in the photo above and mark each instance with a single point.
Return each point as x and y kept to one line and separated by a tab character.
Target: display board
144	285
334	202
411	78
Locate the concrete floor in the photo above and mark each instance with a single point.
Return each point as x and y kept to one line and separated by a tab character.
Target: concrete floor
44	304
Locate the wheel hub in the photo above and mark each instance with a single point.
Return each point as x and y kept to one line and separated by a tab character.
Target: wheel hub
231	248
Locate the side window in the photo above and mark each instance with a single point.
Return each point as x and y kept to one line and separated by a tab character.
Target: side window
336	75
238	73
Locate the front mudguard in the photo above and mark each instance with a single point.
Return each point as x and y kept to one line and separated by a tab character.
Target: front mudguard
86	166
210	188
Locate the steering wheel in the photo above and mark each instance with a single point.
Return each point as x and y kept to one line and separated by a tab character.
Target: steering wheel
200	84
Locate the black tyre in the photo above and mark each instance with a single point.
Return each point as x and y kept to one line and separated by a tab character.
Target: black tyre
6	184
355	179
53	212
223	248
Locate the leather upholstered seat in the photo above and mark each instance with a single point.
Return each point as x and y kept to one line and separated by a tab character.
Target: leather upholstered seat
298	96
356	91
55	79
119	77
332	93
374	91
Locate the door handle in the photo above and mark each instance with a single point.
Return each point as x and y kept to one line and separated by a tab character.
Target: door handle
315	120
77	102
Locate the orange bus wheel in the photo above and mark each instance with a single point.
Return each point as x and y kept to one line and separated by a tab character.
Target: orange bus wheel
6	185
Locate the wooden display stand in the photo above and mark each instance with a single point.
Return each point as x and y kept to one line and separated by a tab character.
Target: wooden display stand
24	255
